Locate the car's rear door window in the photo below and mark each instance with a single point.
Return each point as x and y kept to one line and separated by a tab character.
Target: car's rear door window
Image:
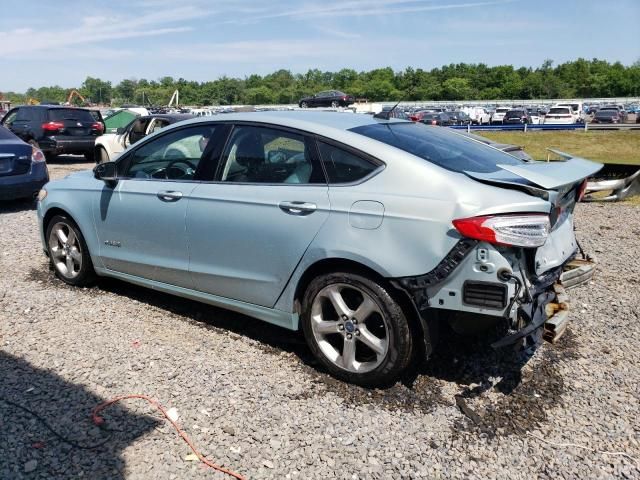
439	146
267	155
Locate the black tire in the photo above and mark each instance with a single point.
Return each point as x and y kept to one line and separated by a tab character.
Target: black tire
335	104
398	332
101	155
304	105
86	275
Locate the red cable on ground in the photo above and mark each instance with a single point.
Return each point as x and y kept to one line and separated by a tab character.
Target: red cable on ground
98	420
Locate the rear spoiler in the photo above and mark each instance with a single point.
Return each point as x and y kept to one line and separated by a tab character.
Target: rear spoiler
552	175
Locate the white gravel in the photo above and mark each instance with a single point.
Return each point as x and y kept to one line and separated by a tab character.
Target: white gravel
252	399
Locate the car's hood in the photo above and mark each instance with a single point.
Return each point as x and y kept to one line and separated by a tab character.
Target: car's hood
81	174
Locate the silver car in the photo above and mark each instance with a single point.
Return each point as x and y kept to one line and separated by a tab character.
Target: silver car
362	232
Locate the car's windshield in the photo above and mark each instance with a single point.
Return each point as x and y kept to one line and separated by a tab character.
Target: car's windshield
515	113
58	114
502	110
440	146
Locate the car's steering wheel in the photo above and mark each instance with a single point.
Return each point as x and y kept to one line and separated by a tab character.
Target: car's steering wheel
185	172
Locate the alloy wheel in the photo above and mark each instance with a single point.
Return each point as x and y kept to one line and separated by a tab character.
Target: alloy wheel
349	328
65	250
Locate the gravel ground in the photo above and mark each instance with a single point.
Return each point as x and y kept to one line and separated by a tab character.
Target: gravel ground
252	399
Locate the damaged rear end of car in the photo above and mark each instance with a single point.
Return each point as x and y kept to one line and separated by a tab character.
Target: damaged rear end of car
511	268
516	253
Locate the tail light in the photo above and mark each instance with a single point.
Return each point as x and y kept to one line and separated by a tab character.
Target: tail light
52	126
36	155
433	122
524	230
97	126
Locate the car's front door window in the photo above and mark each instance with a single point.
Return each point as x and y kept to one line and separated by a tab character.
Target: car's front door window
174	156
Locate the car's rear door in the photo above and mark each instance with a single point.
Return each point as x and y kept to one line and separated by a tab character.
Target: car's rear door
141	221
249	229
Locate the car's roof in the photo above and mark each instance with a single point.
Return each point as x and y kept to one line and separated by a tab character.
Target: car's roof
54	107
304	120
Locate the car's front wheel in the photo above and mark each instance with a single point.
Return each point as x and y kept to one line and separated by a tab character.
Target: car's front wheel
356	329
335	104
304	104
68	252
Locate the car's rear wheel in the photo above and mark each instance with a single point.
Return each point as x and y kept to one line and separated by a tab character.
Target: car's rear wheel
101	155
356	329
68	252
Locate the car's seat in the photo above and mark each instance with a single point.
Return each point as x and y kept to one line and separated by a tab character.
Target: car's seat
302	172
250	156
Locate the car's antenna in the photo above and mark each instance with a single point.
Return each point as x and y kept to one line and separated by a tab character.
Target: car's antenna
386	115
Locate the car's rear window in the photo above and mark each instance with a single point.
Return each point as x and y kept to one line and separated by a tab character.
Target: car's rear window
559	111
60	114
439	145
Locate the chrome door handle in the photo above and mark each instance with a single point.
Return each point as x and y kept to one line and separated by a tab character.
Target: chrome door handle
298	208
169	195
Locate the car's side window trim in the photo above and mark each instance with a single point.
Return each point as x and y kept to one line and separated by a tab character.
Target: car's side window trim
309	139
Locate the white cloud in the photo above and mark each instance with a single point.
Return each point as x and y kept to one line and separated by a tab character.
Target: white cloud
363	8
94	29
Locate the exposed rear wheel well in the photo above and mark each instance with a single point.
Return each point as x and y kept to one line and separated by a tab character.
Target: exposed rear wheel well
343	265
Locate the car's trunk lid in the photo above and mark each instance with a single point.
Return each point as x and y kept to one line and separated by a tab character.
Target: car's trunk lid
15	159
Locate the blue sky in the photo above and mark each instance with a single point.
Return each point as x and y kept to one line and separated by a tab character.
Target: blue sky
64	41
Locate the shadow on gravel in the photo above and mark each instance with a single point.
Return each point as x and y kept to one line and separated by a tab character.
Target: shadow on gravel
14	206
29	450
497	398
474	366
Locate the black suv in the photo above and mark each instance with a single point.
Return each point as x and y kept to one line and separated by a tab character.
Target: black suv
329	98
519	116
56	129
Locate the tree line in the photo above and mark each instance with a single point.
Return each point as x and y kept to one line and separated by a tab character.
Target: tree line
456	82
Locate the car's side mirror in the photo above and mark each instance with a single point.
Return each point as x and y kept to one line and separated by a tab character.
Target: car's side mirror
120	130
107	172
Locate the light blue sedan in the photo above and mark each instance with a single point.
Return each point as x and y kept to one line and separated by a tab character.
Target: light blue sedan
364	232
